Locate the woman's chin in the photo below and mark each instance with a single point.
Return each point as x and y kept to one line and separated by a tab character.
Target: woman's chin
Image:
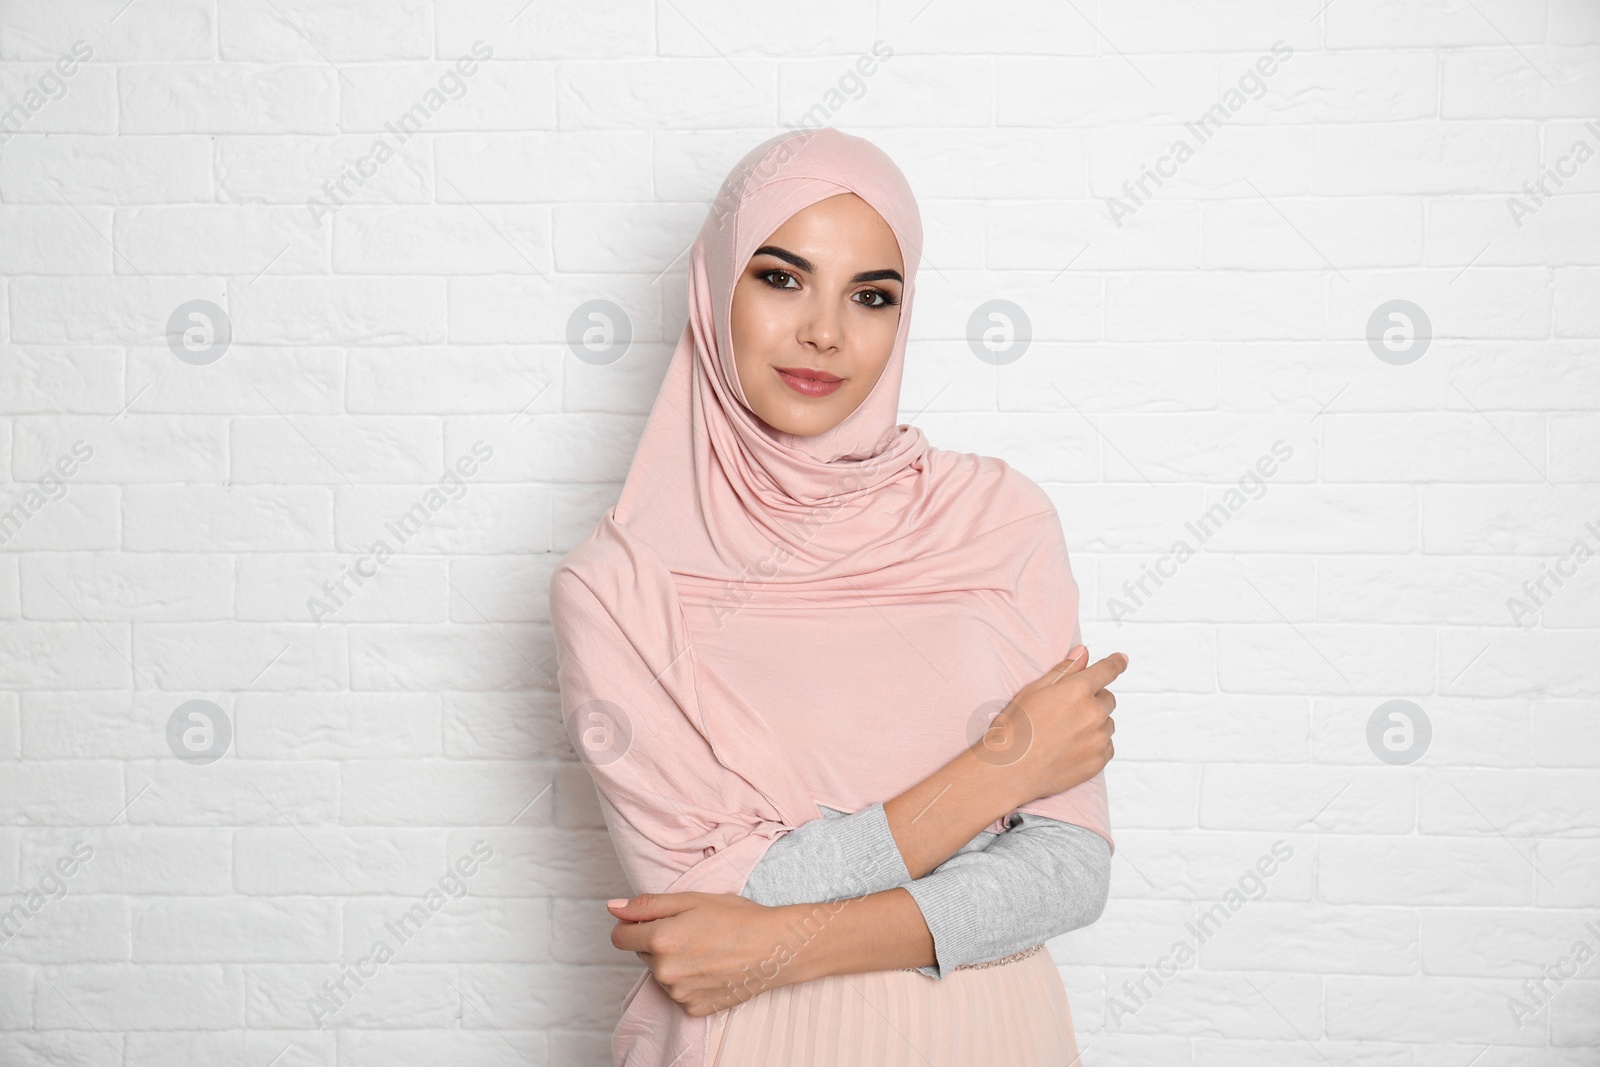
808	421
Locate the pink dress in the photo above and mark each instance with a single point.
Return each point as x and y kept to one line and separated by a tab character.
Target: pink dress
1011	1011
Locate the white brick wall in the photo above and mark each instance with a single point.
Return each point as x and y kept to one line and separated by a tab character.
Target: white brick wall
374	343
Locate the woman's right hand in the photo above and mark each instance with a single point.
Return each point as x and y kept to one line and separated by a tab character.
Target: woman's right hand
1056	732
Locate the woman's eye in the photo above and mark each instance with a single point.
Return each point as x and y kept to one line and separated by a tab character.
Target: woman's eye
876	298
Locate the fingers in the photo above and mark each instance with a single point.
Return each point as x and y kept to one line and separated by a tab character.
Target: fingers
1103	672
1071	665
633	909
647	906
633	937
636	916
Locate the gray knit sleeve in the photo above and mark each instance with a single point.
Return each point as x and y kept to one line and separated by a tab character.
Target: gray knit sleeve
999	894
832	858
1037	880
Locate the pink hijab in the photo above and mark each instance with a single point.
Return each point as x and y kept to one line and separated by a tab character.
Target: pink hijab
765	621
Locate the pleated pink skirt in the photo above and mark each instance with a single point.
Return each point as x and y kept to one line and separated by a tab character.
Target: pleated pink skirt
1013	1013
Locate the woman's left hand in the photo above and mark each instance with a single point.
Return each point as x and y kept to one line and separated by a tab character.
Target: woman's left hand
709	951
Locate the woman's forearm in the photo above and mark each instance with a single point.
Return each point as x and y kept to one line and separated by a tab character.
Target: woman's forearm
934	818
879	932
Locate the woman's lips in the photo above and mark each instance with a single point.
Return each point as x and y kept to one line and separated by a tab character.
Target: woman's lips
808	382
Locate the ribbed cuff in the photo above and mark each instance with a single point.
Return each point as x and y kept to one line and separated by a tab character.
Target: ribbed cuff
870	854
953	919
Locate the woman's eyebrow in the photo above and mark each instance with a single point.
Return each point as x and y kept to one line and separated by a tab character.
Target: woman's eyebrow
805	264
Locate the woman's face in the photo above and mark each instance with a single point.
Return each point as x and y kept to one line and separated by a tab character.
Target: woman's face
815	314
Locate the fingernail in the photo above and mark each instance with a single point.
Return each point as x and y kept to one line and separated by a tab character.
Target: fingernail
617	903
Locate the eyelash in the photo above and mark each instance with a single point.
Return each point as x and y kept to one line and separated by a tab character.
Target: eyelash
889	299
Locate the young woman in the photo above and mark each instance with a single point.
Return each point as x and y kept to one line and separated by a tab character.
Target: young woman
786	655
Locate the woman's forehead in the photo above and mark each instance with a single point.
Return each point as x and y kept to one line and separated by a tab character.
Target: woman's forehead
851	234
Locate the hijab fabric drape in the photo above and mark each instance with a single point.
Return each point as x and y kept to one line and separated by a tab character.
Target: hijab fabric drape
721	511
